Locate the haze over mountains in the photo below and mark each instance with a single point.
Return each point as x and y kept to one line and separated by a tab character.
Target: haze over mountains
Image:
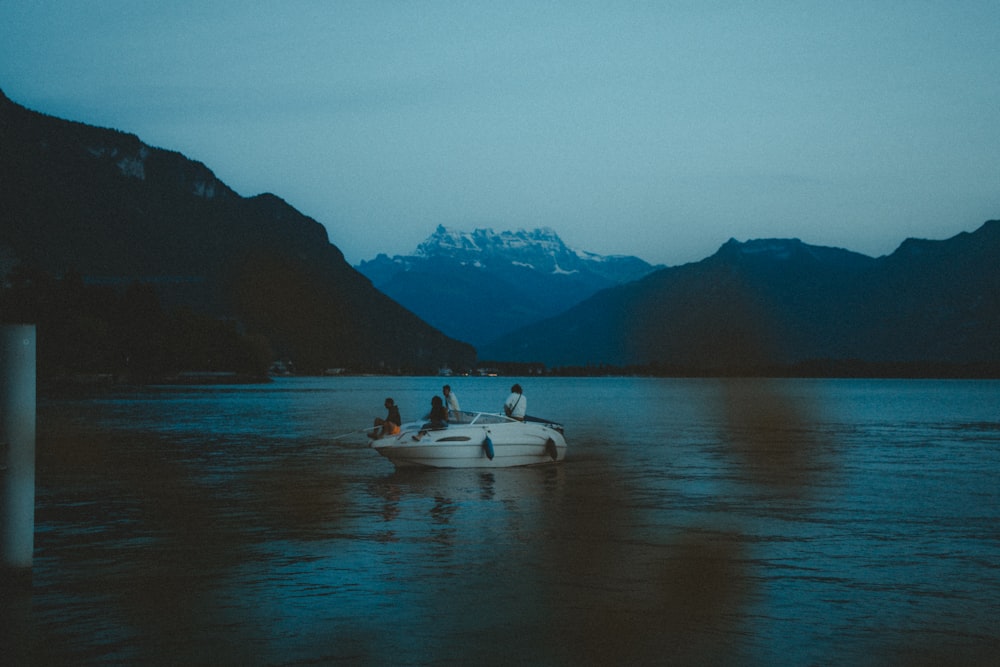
477	286
102	206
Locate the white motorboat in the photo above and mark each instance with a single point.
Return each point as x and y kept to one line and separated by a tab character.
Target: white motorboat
475	440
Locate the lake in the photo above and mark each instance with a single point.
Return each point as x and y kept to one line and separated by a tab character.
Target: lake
695	521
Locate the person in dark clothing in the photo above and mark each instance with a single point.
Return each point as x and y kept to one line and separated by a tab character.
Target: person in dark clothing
390	425
436	419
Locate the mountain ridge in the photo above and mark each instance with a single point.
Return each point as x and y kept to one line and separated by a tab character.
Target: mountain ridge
770	302
100	207
100	202
478	285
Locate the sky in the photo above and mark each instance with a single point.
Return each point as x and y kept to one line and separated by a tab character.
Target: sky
657	129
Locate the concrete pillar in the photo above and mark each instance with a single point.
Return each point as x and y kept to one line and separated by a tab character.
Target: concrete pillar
17	449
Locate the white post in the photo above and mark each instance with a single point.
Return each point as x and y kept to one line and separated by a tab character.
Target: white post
17	448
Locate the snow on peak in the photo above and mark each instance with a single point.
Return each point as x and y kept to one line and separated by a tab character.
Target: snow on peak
529	255
540	250
447	239
488	241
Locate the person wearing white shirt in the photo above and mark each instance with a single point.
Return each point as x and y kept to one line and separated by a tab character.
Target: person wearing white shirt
516	404
451	402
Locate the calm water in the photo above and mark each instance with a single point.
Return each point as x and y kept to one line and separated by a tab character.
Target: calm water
694	521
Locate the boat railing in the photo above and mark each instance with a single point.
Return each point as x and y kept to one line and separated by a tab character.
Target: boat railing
495	418
467	418
479	418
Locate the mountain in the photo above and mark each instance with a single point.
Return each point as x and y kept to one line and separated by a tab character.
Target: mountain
477	286
773	302
101	203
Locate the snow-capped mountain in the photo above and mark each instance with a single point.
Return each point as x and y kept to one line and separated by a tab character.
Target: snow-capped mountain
522	275
539	249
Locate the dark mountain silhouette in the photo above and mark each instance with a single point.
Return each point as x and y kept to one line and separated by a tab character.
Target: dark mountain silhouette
479	285
98	202
781	302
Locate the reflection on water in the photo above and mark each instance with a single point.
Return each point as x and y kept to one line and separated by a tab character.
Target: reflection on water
695	521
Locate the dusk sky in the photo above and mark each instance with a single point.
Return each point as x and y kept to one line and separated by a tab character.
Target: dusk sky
657	129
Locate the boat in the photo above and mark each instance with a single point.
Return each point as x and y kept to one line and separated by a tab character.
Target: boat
475	440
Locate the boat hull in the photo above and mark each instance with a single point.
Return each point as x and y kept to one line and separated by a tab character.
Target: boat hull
511	444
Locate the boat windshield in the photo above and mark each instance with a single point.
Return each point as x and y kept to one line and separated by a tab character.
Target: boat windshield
479	418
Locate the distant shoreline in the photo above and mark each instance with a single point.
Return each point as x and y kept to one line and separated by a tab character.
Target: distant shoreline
818	370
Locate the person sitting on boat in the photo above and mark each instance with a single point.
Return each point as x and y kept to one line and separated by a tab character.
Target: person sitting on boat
451	402
516	404
390	425
436	419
